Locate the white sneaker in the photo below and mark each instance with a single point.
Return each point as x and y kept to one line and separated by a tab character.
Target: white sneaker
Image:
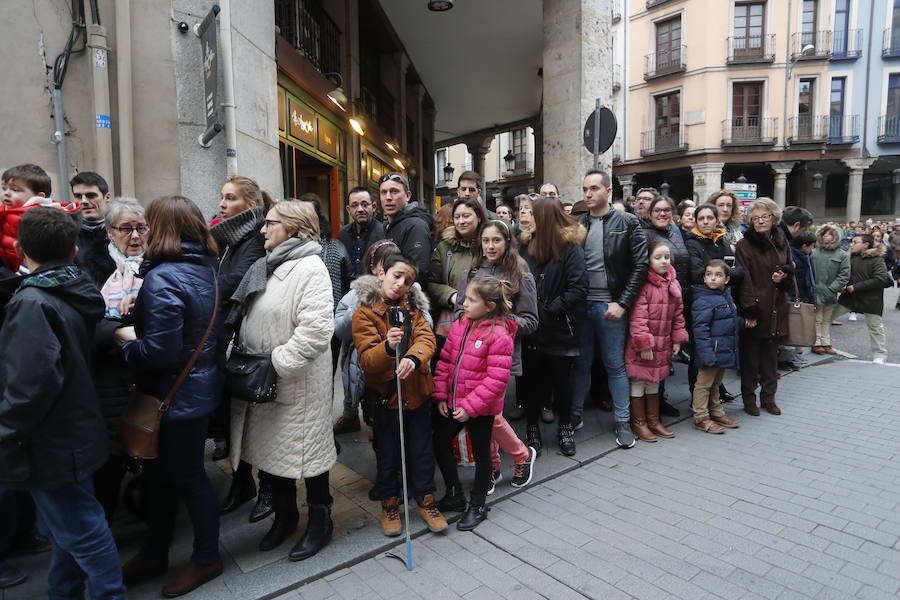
852	317
879	360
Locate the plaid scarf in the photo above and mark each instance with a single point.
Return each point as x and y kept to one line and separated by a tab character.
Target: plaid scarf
52	277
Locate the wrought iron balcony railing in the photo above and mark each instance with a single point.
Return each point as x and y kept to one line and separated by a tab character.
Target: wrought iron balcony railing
751	49
811	45
749	131
846	45
889	129
841	129
309	30
890	47
663	140
660	64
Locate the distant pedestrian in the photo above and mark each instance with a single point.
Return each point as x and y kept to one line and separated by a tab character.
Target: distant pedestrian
362	231
831	271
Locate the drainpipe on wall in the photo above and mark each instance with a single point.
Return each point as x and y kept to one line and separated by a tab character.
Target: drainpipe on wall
865	139
99	57
59	138
228	80
123	81
787	79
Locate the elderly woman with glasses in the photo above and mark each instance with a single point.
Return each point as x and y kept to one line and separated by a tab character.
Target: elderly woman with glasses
765	255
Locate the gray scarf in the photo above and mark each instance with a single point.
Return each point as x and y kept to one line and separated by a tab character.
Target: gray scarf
230	231
254	280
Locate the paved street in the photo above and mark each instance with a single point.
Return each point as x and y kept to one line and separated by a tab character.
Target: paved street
799	506
853	337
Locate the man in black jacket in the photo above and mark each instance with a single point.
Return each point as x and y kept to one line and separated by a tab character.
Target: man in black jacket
91	191
409	226
615	253
52	434
362	231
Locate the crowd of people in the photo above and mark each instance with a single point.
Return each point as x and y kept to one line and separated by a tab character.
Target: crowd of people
105	300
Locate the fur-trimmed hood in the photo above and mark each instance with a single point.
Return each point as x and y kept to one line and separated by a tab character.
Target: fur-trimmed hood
876	252
574	234
449	236
836	233
368	289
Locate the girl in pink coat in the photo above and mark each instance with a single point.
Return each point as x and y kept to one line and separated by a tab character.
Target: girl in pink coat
656	332
469	385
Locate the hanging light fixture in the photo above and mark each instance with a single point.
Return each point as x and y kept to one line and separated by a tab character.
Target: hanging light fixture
895	176
358	125
510	160
440	5
817	181
337	95
448	173
664	188
741	178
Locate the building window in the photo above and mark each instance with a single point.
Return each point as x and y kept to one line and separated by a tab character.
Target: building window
841	27
668	44
440	161
469	161
746	110
668	120
893	97
805	103
749	24
836	107
520	147
895	26
808	19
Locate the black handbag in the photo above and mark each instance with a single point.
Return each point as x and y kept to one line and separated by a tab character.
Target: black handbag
250	376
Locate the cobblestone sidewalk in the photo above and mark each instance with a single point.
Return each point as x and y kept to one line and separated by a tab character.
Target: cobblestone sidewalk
804	505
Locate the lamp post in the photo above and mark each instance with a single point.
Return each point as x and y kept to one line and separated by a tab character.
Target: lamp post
664	188
817	180
510	160
448	173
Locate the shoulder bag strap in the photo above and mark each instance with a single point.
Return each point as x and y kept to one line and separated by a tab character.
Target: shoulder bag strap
190	364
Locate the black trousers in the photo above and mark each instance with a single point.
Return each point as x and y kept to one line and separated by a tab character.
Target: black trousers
317	488
108	484
479	429
179	474
17	518
543	375
419	454
759	366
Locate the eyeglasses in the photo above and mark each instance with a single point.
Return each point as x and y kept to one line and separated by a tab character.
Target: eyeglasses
363	204
761	218
659	211
392	177
271	222
128	229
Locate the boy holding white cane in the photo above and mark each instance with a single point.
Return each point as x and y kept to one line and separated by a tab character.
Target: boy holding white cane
379	344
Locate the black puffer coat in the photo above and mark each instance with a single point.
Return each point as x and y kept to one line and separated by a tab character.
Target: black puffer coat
112	379
411	231
51	428
93	254
702	249
681	261
561	292
240	245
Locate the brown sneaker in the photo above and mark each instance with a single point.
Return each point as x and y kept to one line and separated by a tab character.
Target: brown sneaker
431	515
390	517
829	350
708	426
726	421
346	425
818	349
190	578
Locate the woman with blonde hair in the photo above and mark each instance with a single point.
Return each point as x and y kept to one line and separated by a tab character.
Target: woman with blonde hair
729	214
284	307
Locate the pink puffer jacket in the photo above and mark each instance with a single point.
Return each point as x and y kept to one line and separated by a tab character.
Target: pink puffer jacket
656	322
474	367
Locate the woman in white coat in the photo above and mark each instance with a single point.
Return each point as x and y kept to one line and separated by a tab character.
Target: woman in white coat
286	306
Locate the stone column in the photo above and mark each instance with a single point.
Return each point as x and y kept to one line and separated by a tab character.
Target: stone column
854	190
478	146
781	170
707	179
627	183
576	71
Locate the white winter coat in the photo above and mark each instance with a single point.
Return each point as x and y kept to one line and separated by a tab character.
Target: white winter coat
293	319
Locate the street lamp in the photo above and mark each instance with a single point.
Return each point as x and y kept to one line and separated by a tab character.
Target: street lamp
895	176
741	178
337	95
448	173
358	125
440	5
664	188
817	180
510	160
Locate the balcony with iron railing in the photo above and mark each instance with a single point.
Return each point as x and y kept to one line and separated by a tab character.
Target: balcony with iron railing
806	129
811	45
889	129
311	32
751	49
890	47
846	45
617	78
840	129
654	3
663	140
749	131
660	64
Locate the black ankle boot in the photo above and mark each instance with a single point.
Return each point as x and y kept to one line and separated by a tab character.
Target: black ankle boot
242	489
286	519
453	501
317	535
265	503
533	438
473	516
566	440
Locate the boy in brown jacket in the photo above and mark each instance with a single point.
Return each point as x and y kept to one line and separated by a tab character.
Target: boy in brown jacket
377	343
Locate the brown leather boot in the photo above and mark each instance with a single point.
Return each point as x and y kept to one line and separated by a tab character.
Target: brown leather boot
653	417
639	420
190	578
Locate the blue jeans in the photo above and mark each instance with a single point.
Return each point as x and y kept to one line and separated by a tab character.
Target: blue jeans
83	546
607	335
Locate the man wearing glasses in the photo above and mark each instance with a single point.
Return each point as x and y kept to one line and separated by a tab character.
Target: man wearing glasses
362	231
91	192
642	201
409	226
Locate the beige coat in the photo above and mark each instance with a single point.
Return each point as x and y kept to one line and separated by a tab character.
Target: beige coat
293	319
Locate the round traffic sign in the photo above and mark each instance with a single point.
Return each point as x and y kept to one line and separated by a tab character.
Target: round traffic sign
608	127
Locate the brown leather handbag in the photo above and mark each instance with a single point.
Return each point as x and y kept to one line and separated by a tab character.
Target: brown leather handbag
139	430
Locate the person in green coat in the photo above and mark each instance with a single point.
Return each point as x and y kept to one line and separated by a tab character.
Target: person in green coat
831	271
865	293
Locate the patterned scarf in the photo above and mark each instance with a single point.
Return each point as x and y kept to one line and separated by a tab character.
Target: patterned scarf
123	282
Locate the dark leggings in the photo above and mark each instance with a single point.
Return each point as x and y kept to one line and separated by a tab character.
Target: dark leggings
543	375
317	488
479	429
179	474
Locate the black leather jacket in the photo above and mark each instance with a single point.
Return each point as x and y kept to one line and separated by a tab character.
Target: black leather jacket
624	254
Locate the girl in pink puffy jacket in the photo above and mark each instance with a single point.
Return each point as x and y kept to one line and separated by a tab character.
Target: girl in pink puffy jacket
656	332
469	385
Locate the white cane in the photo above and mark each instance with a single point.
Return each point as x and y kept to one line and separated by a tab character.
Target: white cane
408	561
